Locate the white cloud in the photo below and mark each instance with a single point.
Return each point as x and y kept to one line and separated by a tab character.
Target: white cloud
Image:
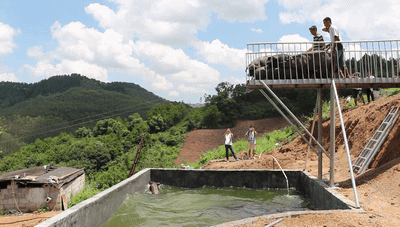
10	77
290	4
249	11
256	30
108	48
35	52
219	53
358	20
86	51
175	65
143	38
302	43
6	38
172	22
235	80
192	89
44	69
173	94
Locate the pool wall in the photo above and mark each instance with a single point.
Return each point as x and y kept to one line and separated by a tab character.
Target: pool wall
98	209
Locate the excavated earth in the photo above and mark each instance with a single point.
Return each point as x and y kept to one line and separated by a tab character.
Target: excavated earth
378	188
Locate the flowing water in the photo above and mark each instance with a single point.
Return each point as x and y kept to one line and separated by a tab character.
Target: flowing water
202	206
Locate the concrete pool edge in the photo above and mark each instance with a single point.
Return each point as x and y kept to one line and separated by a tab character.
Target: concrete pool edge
97	210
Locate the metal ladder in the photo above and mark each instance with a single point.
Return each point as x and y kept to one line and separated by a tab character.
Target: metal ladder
131	172
372	147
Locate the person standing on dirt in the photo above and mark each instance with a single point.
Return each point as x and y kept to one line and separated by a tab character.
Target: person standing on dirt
228	144
369	91
251	138
357	92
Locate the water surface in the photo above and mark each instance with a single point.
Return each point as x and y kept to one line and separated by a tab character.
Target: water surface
202	206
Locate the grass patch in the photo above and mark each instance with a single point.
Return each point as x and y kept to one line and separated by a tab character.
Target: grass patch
388	92
87	192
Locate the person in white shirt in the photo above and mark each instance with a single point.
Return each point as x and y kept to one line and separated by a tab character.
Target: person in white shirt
228	144
337	48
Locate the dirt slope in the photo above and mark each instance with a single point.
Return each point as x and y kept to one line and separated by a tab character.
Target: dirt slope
199	141
378	188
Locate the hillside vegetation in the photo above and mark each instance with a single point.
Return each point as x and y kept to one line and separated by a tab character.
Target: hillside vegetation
65	103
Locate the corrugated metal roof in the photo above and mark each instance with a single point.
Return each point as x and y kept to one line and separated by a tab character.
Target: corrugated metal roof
43	174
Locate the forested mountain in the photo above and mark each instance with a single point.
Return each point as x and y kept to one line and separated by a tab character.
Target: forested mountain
66	103
12	93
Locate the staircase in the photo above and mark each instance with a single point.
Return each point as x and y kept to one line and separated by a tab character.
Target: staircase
372	147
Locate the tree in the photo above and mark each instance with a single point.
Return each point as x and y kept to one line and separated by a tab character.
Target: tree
134	119
225	88
108	126
83	132
212	117
239	91
229	109
163	116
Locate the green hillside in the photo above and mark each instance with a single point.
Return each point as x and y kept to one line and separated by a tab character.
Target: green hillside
64	104
12	93
80	103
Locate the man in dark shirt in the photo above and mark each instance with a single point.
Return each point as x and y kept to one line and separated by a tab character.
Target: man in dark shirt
317	38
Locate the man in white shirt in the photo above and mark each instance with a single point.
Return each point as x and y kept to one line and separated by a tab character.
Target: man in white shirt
337	48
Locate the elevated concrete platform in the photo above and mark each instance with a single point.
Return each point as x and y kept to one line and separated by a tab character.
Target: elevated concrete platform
326	83
293	65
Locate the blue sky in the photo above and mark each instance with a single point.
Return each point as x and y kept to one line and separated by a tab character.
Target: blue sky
178	49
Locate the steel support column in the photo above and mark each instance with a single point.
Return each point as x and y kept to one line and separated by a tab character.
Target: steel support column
346	144
332	140
320	134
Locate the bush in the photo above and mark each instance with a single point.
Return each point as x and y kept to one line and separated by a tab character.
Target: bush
87	192
43	208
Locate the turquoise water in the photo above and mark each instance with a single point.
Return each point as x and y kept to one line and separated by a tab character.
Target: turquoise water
202	206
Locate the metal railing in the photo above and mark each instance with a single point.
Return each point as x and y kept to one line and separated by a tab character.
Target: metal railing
290	63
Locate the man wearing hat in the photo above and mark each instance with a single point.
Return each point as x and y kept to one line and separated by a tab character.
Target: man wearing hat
317	38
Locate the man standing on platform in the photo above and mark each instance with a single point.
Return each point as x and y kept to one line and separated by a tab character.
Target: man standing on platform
337	48
317	38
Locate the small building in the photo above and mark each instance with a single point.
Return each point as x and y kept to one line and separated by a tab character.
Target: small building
29	189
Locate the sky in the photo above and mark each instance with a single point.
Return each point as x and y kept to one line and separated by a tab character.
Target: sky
177	49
